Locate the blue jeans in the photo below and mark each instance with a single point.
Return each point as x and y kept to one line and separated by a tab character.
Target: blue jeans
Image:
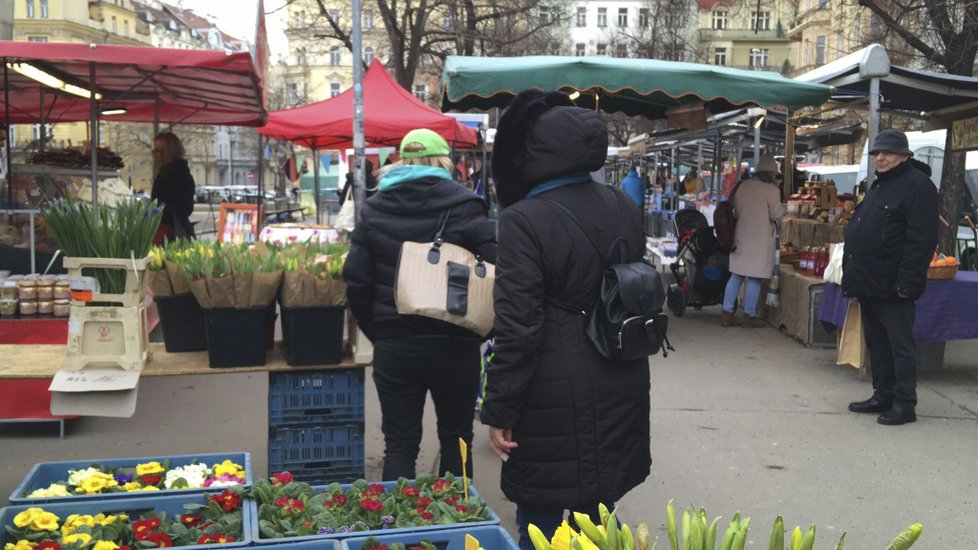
548	520
751	295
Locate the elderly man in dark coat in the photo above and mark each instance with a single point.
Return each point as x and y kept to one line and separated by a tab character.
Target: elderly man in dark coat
571	427
888	246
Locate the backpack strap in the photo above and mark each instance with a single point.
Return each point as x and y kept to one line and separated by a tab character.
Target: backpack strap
434	253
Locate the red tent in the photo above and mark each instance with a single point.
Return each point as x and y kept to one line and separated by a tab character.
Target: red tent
389	110
169	85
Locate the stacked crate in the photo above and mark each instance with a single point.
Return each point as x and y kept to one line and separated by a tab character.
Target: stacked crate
316	424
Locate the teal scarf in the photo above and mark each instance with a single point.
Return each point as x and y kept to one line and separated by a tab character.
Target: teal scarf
403	174
560	181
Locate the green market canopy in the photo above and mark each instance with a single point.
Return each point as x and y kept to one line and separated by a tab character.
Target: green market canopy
646	87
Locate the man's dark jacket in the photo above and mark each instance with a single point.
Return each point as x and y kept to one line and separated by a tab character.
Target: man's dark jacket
408	213
892	236
580	421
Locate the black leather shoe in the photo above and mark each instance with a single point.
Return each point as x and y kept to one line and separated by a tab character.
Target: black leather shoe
897	416
871	405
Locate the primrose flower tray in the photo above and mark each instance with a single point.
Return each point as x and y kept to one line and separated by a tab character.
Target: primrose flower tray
133	507
490	537
43	474
251	507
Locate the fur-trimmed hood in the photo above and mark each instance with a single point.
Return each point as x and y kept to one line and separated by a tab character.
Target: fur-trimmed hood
543	136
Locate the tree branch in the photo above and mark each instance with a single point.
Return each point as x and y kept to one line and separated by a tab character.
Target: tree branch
911	38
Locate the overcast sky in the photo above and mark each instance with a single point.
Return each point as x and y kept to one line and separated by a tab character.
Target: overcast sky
237	18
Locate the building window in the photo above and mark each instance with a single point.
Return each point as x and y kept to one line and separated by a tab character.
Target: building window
858	28
602	17
292	92
37	39
758	58
720	56
621	50
622	17
579	49
30	8
581	18
368	19
602	49
719	20
300	56
368	55
38	134
643	17
115	25
421	91
125	27
820	49
446	20
334	89
760	20
674	52
44	9
546	16
334	55
335	16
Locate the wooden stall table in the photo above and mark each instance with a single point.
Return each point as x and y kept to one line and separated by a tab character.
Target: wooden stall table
29	361
794	310
802	232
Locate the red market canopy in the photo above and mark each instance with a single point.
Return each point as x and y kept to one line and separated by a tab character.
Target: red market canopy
389	112
152	84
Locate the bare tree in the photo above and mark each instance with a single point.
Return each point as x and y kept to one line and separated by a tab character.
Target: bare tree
945	33
661	32
420	29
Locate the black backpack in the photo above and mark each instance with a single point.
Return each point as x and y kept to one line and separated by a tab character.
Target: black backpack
627	322
725	221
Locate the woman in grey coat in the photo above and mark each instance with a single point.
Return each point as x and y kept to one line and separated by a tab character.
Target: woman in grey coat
758	207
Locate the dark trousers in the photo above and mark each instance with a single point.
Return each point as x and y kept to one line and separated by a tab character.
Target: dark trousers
405	370
549	519
888	327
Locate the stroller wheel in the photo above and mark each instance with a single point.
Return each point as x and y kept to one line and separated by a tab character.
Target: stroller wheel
676	300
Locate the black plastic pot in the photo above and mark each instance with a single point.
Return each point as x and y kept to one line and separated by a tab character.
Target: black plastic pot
313	335
236	336
182	320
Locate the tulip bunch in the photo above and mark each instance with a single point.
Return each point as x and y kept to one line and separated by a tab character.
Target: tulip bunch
322	259
698	533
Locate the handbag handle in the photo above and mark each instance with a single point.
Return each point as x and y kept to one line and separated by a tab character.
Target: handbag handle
434	254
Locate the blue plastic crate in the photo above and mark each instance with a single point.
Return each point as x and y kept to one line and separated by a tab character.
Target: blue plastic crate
490	538
252	508
315	396
43	474
317	453
134	507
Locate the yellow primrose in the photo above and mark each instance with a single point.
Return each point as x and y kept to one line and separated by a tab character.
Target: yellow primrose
132	486
45	521
55	490
149	468
103	519
83	538
105	545
226	468
148	488
26	517
21	545
93	485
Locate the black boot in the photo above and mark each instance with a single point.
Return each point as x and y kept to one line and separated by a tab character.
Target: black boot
871	405
898	415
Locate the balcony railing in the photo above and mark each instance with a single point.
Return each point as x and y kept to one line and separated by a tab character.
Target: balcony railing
741	34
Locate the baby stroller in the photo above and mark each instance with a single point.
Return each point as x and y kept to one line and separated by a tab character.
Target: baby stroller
701	268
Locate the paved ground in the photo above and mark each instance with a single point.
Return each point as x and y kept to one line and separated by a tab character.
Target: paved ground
745	420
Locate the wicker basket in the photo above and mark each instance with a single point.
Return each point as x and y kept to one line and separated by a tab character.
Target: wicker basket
942	272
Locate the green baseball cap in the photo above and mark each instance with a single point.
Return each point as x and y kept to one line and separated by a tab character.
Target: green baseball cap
432	144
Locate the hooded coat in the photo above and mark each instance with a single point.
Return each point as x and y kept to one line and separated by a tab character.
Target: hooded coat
757	205
409	212
174	188
581	422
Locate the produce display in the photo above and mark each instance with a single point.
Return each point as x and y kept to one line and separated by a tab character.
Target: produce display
287	508
942	267
148	476
216	519
697	532
76	157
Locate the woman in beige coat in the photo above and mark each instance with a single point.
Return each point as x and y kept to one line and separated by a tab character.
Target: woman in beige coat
758	207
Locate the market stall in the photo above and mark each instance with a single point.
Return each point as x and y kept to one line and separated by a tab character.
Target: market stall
389	112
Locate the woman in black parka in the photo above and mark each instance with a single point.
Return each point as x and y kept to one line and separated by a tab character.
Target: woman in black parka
173	188
416	355
571	427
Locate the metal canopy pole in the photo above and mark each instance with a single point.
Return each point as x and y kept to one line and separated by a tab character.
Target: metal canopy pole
93	138
699	167
6	102
259	177
874	128
315	179
359	179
